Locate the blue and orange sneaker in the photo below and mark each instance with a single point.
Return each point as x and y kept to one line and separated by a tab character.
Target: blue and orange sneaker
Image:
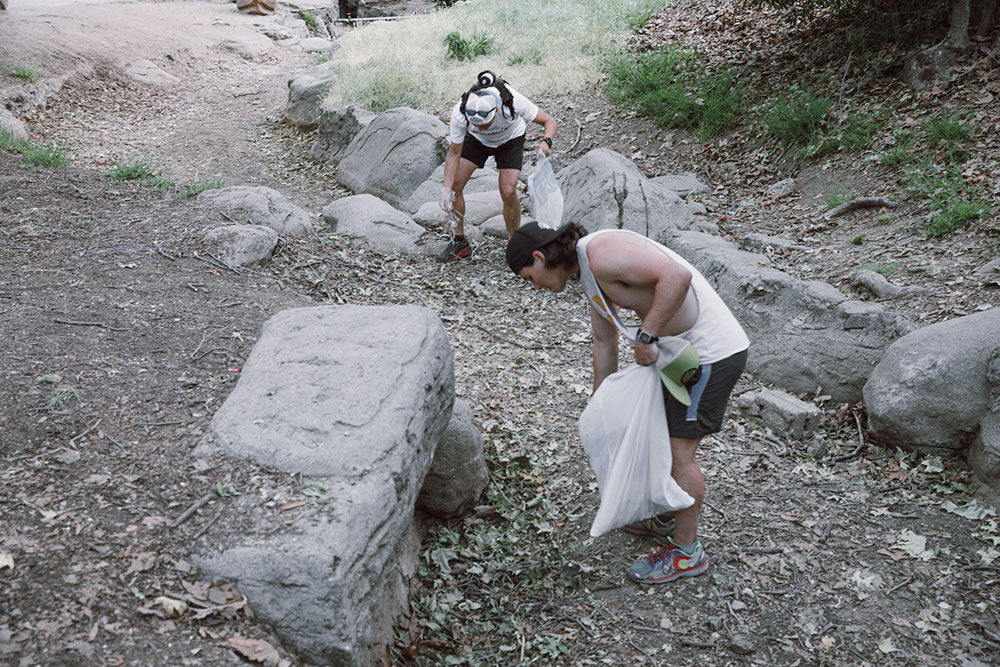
667	563
660	528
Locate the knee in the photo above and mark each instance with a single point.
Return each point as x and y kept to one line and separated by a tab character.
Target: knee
508	194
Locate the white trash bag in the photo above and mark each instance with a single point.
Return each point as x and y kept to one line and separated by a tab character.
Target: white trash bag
543	191
625	435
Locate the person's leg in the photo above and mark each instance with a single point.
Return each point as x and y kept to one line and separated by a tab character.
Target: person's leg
687	473
462	175
511	204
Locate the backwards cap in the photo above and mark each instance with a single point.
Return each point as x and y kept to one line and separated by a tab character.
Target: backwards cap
678	364
528	238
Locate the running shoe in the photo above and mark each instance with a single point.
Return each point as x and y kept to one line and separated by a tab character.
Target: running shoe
455	250
656	527
667	563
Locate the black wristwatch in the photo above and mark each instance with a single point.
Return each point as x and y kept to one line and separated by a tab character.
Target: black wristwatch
548	141
645	337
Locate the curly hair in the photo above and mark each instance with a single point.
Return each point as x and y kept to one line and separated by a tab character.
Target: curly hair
561	251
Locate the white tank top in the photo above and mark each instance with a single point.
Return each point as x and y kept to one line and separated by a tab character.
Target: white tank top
716	334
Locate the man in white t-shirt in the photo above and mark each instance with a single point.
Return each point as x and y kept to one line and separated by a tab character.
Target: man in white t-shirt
490	119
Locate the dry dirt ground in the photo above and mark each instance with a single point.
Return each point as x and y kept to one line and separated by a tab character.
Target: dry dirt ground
120	340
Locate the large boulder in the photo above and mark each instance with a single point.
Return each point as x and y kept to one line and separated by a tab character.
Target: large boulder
306	90
335	131
12	125
259	205
390	158
479	207
605	190
804	334
242	245
369	220
683	184
458	474
356	398
931	390
482	180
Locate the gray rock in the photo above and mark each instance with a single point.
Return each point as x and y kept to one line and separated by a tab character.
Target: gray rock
763	243
391	157
276	31
781	188
306	90
335	131
781	411
984	456
242	245
369	220
479	207
818	447
497	228
458	473
741	645
987	273
10	123
259	205
315	44
357	398
683	184
931	388
146	71
482	180
803	334
249	47
605	190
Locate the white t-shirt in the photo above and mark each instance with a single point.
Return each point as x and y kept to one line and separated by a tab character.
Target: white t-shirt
501	130
716	333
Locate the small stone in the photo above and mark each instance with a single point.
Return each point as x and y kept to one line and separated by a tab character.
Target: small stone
714	623
738	605
817	448
740	644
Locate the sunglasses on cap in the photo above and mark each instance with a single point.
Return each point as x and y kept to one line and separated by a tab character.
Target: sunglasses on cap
482	114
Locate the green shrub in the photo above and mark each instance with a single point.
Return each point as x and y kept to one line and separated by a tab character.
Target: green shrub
672	90
25	73
795	120
309	18
460	49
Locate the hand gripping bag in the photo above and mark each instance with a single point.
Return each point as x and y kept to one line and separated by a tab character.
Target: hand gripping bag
624	433
543	191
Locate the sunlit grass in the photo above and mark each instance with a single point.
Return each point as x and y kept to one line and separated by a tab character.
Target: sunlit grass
539	47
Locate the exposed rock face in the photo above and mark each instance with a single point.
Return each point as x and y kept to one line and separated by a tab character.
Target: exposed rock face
683	184
243	245
606	190
369	220
803	334
306	90
931	390
390	158
335	130
357	399
482	180
458	474
259	205
479	207
782	412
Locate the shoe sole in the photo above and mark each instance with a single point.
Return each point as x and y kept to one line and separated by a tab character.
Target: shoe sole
458	256
691	572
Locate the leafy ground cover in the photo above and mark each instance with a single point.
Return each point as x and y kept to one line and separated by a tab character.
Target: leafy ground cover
122	338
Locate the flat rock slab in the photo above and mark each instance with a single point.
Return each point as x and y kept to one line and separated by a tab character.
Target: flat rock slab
259	205
339	390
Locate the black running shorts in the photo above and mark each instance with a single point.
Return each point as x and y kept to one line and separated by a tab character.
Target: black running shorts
508	156
709	398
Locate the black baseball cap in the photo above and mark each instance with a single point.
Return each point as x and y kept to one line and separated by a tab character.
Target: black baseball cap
528	238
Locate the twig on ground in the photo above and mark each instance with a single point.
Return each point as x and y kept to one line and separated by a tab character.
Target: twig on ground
90	428
878	285
579	129
861	442
710	505
90	324
208	525
761	550
192	509
899	585
860	202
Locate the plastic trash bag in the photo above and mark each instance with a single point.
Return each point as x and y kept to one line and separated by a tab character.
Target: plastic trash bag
544	194
625	435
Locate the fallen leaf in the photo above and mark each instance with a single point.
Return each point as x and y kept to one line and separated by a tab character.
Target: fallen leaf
6	561
255	650
171	606
666	623
886	646
142	562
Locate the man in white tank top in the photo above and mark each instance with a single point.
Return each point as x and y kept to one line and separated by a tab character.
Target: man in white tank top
626	270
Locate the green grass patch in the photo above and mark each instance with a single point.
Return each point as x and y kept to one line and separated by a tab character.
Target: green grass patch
794	120
196	188
25	73
946	128
141	170
34	154
673	90
900	150
834	197
953	213
309	18
537	46
460	48
859	239
861	129
951	201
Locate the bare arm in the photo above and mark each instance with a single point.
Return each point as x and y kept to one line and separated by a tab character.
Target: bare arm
605	347
647	281
451	164
549	123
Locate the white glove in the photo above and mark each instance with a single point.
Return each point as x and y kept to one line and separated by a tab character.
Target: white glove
447	201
